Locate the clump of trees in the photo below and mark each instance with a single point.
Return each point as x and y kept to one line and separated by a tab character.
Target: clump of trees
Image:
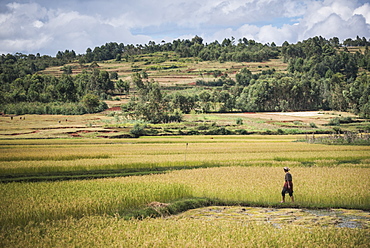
13	66
58	95
150	104
108	51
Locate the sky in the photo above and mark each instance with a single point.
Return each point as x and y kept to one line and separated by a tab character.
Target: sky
49	26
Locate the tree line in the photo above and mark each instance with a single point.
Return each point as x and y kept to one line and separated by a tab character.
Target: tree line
228	50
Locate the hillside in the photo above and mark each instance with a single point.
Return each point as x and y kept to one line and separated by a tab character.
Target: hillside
170	71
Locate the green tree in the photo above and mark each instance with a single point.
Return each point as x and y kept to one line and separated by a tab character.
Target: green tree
67	70
113	75
123	86
184	102
244	77
91	102
205	98
337	99
119	57
227	101
65	88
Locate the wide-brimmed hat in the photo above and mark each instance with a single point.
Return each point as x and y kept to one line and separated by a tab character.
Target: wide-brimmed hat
286	169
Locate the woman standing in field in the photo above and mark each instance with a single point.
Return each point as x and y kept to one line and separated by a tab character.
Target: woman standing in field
288	185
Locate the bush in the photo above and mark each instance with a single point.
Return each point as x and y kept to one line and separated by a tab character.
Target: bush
280	131
138	130
241	131
193	132
313	125
342	120
337	130
203	127
219	131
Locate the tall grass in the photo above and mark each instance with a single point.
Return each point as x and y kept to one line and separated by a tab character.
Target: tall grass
314	187
88	213
98	231
22	203
46	156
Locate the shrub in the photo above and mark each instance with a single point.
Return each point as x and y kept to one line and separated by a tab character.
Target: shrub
241	131
313	125
203	127
193	132
342	120
280	131
239	121
219	131
138	130
337	130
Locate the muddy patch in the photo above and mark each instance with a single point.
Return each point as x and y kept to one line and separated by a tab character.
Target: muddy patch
283	216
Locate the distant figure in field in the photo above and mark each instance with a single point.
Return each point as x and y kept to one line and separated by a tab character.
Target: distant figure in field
288	185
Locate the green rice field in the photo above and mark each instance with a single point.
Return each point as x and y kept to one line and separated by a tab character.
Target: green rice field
137	192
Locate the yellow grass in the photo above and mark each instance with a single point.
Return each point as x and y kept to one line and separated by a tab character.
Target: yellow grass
22	203
19	156
80	213
87	213
97	231
323	187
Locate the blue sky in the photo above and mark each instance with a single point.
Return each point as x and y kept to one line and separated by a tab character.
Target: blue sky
48	26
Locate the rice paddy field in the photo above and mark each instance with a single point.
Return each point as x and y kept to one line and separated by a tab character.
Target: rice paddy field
182	191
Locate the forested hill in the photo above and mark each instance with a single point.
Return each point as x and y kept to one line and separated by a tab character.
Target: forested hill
321	74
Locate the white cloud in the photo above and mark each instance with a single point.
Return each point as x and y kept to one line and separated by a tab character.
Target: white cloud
49	26
333	18
270	34
322	18
30	28
363	10
334	21
38	24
